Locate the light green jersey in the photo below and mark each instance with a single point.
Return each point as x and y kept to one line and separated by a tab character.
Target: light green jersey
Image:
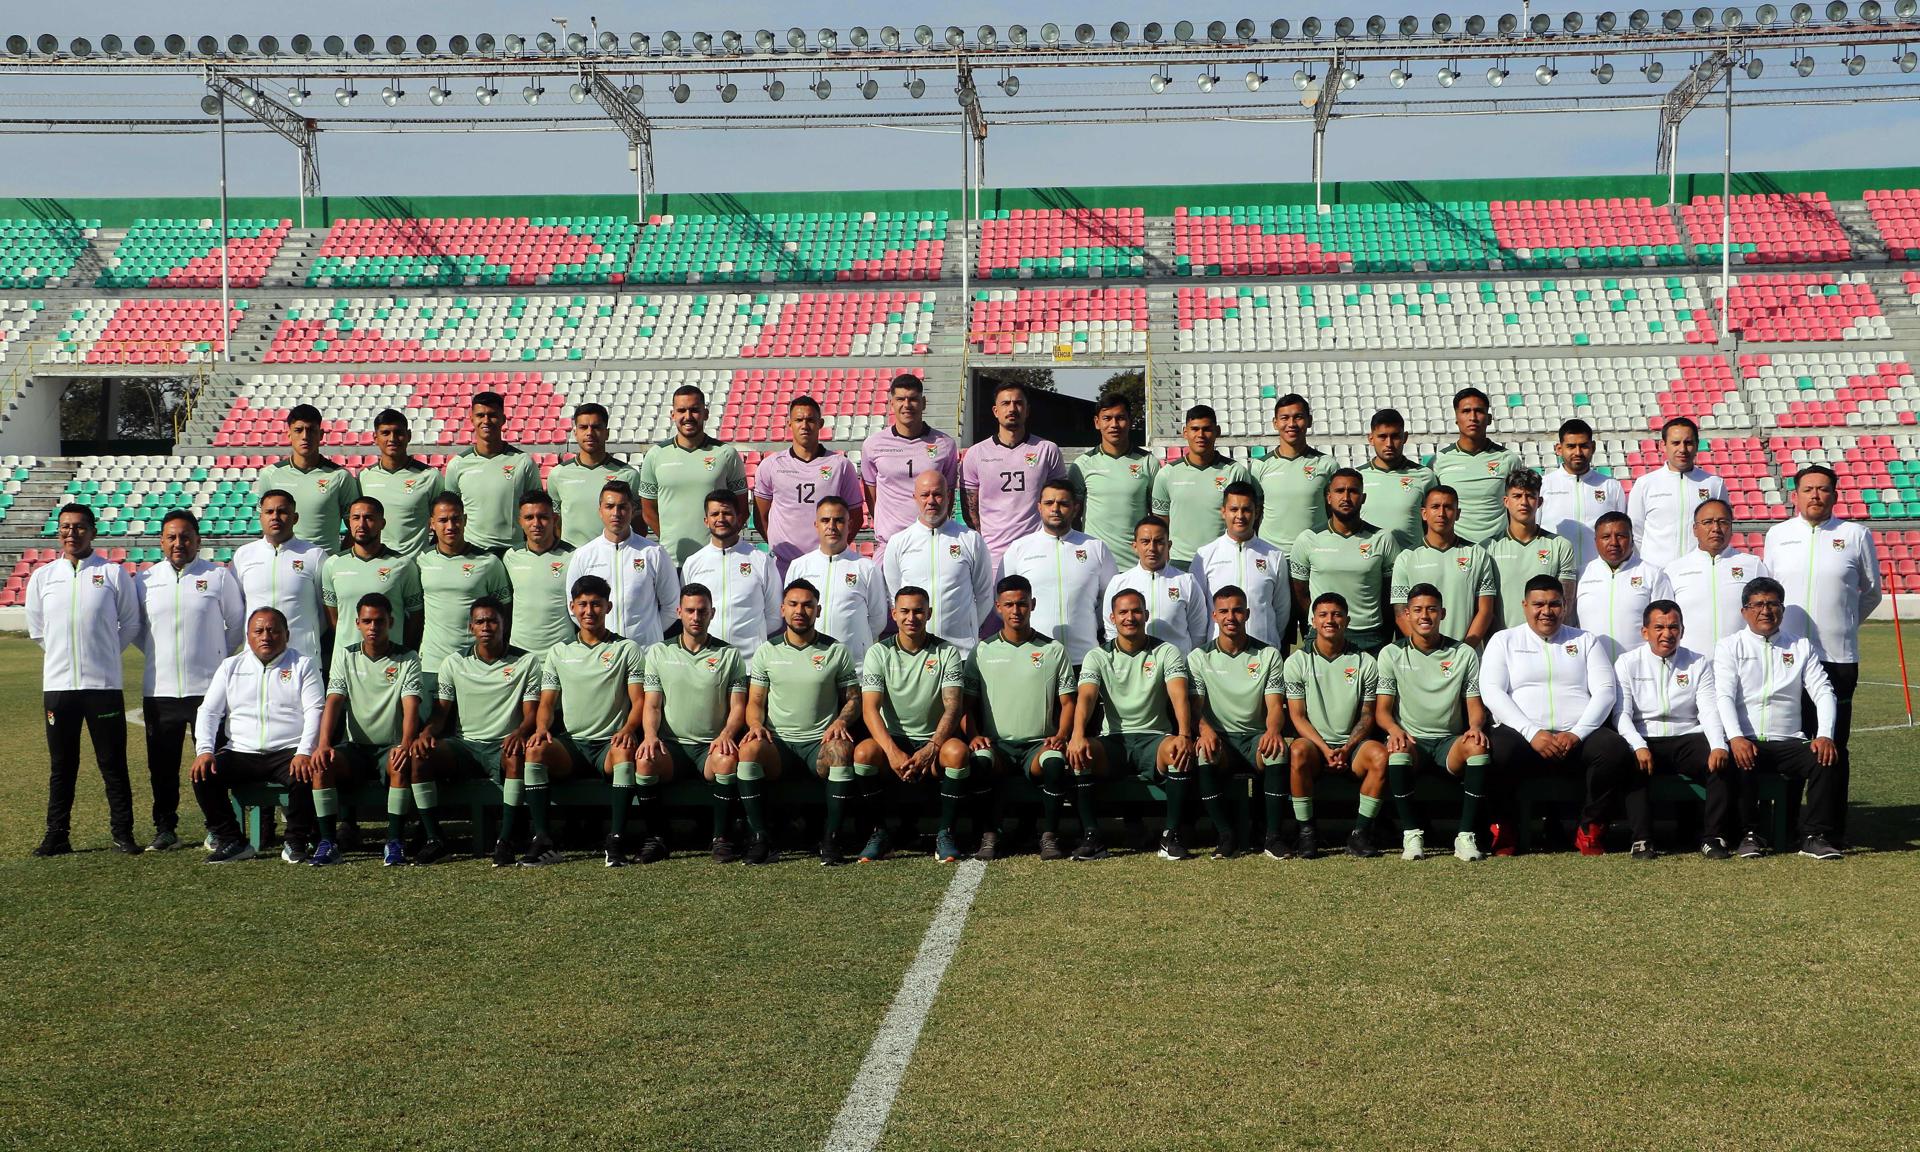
804	683
1394	496
1019	686
696	688
592	680
539	582
678	479
491	487
487	696
406	495
1293	495
910	684
1462	573
1189	497
1236	686
347	577
1430	689
450	585
1133	687
373	689
575	488
1514	563
1336	690
1481	480
320	494
1115	492
1359	567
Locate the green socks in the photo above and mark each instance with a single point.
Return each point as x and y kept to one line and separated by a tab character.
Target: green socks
1053	775
839	791
747	778
953	789
722	785
1214	799
1473	785
397	799
623	789
1273	789
1369	808
326	809
1083	783
1400	779
512	799
535	792
1303	809
869	796
426	797
1175	786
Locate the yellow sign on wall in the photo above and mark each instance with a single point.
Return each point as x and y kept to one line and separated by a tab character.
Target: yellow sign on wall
1063	353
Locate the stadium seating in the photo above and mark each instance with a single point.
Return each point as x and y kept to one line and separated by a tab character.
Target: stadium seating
1829	389
784	247
845	324
1897	215
1704	392
1770	229
1741	461
157	331
1607	233
164	253
36	253
15	318
456	251
1805	306
1879	476
853	402
15	470
1062	243
134	560
1095	321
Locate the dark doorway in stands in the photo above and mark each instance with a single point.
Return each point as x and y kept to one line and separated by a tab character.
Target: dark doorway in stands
1063	401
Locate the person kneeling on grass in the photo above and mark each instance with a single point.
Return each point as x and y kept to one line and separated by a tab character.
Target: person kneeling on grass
269	699
377	687
1331	688
801	701
912	695
1138	685
1022	690
488	695
591	702
1429	709
696	710
1242	718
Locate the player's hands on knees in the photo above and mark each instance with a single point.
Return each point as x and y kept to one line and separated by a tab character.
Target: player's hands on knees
1745	753
652	749
721	746
1180	752
623	740
397	759
1644	756
1399	742
1207	746
538	740
1825	752
323	757
1272	746
1718	759
1080	753
202	767
838	733
1477	737
980	744
303	769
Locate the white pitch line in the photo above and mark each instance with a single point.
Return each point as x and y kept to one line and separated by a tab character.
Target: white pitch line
137	716
863	1116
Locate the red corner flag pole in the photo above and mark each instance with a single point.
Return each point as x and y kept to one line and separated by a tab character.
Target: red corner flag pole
1900	645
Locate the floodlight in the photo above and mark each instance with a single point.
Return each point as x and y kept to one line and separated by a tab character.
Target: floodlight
956	38
1083	34
1572	22
1343	28
1009	84
639	43
1183	31
1119	32
297	94
1476	25
362	44
544	43
1545	73
396	45
1302	79
869	88
1442	24
857	36
1349	78
1803	67
1376	26
1310	28
1905	9
142	45
1216	30
205	46
1837	12
1605	23
1398	77
1638	20
1496	76
916	87
1802	15
1153	33
986	37
249	98
828	39
890	38
1508	24
728	91
1766	14
210	104
1870	11
485	44
1755	66
425	45
680	91
344	94
514	44
532	92
1654	70
1541	24
1409	26
1702	19
822	87
702	42
485	92
1732	18
1050	34
776	90
1856	65
437	94
1447	75
763	41
1244	30
236	46
1254	80
670	42
1906	60
1603	72
391	94
1672	19
176	44
577	92
1279	29
609	41
111	45
1207	81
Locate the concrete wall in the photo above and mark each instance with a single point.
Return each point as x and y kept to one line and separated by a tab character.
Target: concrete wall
32	424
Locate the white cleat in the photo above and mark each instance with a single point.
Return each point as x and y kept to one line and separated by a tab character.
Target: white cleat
1466	848
1413	844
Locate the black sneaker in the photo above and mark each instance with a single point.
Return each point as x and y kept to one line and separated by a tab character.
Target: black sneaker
1643	850
724	851
1051	848
1306	845
433	851
127	846
1818	848
232	852
54	844
989	845
616	852
760	849
1752	847
1360	843
541	853
1091	847
830	853
502	853
1170	846
653	850
1227	847
1276	847
1714	848
164	839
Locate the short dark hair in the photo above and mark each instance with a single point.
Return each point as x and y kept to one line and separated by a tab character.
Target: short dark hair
695	589
1008	584
1543	583
372	502
826	500
388	417
590	585
717	496
1201	412
271	493
1816	470
800	586
301	412
1134	592
803	402
1440	490
82	510
599	410
908	380
1680	422
1115	399
535	496
488	400
1333	598
1226	590
488	603
1646	614
1607	518
1471	393
1387	418
193	521
911	590
448	497
1575	427
1759	585
1419	590
1352	474
1525	479
374	600
1012	386
1292	400
690	390
1245	488
1061	483
268	610
1151	520
1711	500
619	486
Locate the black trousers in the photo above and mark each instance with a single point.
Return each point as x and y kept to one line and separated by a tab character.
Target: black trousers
1794	759
215	793
1687	756
103	713
1604	762
1845	678
167	721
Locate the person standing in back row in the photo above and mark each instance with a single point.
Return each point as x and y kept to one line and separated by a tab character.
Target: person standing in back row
1476	467
490	478
1573	496
1114	481
789	486
575	483
1189	491
679	472
893	458
1662	501
1000	477
1293	478
321	488
405	485
1396	486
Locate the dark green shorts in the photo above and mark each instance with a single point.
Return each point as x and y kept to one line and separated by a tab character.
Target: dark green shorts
1021	755
1133	752
689	760
1435	750
473	758
585	753
1240	753
361	763
799	756
1370	641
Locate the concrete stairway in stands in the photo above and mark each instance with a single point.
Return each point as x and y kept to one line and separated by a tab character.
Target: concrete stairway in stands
41	493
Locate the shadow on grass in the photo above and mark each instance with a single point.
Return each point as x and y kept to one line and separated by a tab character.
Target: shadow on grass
1886	828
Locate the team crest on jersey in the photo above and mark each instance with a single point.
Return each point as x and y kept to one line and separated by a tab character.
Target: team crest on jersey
49	719
506	469
1219	481
1133	469
1573	649
852	579
1540	553
819	658
1079	553
746	568
1253	667
1446	667
99	579
1172	592
826	469
1636	581
1260	563
1839	545
1406	482
1736	573
557	566
199	585
321	485
1493	466
707	462
1460	562
1681	677
931	663
1366	549
1703	493
466	569
932	451
299	565
391	672
1146	665
1786	658
286	675
953	550
1307	469
606	658
1034	656
408	484
1599	497
507	672
713	662
1350	672
639	563
382	573
1032	459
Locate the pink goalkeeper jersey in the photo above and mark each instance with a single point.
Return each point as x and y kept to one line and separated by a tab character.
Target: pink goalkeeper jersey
1008	481
794	487
890	462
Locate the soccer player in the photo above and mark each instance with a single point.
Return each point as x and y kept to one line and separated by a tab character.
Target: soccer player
83	610
453	575
1764	681
368	565
853	591
1241	715
892	459
1293	478
1707	582
1396	486
788	486
1670	717
1430	711
591	701
1138	688
948	560
491	476
192	616
1460	569
321	488
1550	688
486	694
282	571
745	587
576	482
802	697
538	572
912	696
696	711
1176	608
267	699
1476	467
1066	569
1617	586
1331	689
1573	496
1023	688
646	589
1663	500
1522	549
405	486
1832	575
1188	491
1113	482
1349	556
679	472
1001	475
1241	558
376	688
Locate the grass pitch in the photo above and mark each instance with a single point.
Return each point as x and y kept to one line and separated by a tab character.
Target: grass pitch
1536	1002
